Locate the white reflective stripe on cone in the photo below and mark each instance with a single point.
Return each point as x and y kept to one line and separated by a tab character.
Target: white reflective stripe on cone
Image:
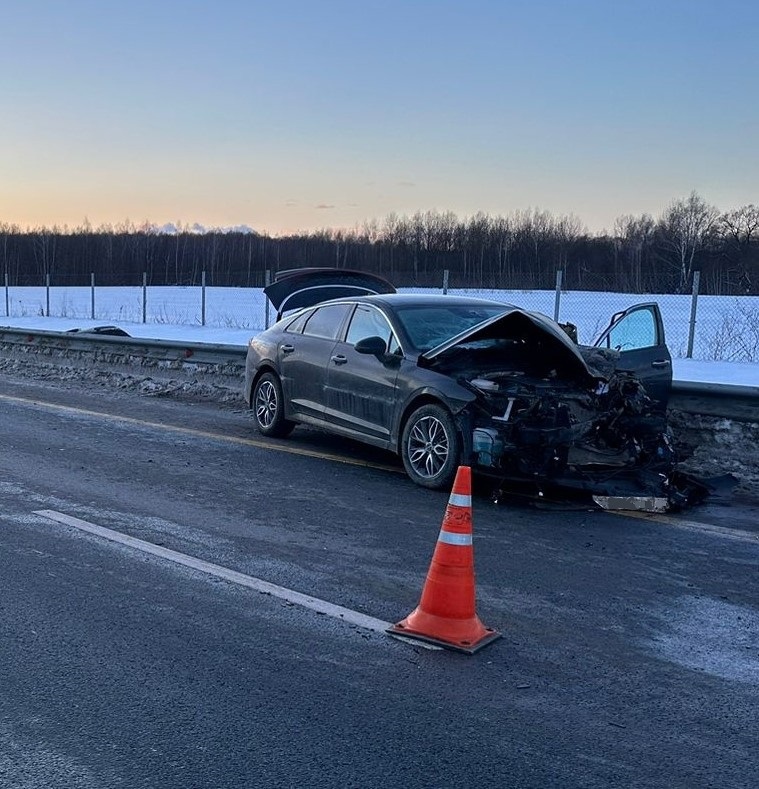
453	538
460	500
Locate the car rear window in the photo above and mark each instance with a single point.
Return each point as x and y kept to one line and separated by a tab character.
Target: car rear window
296	327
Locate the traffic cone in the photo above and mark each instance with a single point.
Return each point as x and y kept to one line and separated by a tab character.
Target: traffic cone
446	613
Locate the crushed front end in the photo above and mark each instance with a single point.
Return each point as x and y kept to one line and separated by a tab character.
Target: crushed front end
605	440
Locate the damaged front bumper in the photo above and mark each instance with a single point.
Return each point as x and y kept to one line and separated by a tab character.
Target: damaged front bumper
633	503
640	474
632	490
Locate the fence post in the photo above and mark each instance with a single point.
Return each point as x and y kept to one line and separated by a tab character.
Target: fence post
92	295
7	299
693	304
203	298
557	301
267	281
445	281
47	295
144	296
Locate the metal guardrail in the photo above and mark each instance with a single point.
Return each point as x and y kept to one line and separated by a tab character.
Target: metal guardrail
99	344
727	401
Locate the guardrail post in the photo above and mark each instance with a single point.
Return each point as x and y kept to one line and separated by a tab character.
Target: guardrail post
144	297
92	295
7	298
557	300
693	304
47	295
203	298
267	281
445	281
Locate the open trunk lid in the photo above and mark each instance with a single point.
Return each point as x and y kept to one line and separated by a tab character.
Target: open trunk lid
303	287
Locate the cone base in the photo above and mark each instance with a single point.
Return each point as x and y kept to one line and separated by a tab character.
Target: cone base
470	636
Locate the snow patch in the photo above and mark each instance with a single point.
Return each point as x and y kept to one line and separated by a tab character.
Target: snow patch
714	636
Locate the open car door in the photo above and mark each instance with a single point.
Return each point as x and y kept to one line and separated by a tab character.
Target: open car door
638	334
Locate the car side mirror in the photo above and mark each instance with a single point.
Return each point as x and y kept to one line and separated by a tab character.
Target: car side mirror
373	346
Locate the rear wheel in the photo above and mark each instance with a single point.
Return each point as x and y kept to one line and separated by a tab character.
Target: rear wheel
269	407
431	447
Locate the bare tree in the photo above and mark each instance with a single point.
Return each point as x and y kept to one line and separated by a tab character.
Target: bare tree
478	233
44	246
632	236
685	225
392	234
738	234
740	230
503	232
741	226
534	229
566	230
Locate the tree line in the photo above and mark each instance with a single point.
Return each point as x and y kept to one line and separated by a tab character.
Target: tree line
524	250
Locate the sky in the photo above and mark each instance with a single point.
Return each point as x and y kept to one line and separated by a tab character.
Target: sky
297	115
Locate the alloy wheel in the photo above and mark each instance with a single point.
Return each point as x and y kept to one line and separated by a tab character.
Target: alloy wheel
266	404
428	446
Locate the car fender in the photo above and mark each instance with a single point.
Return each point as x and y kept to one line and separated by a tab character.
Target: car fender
453	397
254	369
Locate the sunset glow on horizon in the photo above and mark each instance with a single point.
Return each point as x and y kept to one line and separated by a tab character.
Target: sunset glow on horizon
302	116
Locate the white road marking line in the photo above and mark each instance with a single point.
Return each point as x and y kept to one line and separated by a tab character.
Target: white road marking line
291	596
189	431
707	528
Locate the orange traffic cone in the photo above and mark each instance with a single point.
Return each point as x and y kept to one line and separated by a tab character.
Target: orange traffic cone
446	613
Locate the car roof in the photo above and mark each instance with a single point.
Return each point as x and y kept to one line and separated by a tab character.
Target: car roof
423	299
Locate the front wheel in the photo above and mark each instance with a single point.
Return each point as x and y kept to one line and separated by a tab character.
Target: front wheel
269	407
431	447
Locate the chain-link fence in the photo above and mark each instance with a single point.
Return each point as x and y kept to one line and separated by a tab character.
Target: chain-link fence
696	326
701	327
179	305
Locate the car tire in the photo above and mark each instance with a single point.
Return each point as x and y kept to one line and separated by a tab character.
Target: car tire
268	407
431	447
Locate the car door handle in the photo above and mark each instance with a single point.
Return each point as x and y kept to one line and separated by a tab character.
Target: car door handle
339	358
287	348
660	363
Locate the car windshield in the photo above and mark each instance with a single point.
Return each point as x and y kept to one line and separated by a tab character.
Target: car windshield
427	326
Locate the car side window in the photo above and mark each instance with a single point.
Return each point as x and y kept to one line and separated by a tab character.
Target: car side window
296	327
369	322
326	321
635	330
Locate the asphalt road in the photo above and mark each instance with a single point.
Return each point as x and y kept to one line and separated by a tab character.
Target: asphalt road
629	657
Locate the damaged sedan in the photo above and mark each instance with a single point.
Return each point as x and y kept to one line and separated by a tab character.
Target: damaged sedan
443	380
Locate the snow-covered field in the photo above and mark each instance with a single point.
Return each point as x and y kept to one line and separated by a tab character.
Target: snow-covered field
727	327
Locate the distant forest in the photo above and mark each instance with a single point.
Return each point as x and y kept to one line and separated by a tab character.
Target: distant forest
520	251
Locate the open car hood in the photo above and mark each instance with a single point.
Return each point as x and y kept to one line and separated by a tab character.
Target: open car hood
304	287
533	333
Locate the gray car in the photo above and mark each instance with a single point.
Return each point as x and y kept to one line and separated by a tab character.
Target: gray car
443	380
